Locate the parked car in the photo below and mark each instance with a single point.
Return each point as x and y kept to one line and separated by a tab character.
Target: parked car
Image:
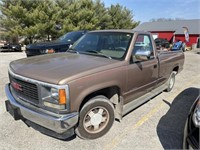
161	42
11	47
102	77
60	45
191	132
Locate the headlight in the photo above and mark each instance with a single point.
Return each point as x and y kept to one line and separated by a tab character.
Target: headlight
196	115
54	98
55	93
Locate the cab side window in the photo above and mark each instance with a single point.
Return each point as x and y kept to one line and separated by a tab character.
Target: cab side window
143	43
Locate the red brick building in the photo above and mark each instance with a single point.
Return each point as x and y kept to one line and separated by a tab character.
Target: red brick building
173	30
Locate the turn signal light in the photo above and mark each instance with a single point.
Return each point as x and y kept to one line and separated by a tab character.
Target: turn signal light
62	97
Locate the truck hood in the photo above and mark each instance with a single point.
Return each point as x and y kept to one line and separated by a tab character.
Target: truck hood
53	68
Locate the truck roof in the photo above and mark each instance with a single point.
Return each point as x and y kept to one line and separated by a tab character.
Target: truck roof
120	30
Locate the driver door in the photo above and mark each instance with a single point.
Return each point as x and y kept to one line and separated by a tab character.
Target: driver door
141	74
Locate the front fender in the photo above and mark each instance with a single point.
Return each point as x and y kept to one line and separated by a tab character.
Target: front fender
82	87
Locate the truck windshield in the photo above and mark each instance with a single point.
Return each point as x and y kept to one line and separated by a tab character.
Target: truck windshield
108	44
70	37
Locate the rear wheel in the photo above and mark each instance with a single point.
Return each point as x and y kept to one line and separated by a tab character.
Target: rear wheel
96	118
171	82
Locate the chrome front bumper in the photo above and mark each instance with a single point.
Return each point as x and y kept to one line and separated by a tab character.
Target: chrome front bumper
59	123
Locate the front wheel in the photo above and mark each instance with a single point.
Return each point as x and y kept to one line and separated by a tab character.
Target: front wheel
171	82
96	118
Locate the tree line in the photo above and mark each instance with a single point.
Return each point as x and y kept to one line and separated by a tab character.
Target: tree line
35	19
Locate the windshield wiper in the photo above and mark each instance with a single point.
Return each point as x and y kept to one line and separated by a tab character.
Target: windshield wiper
99	53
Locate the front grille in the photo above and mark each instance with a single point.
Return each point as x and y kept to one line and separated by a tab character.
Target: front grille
27	91
33	52
193	133
193	138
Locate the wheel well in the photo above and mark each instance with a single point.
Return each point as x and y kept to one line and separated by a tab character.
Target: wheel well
176	69
107	92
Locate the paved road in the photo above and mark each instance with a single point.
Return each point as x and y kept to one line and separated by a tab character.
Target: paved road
158	124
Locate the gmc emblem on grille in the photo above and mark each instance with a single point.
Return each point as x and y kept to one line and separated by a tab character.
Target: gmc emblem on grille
17	86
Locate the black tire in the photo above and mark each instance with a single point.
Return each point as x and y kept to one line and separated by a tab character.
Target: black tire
91	118
171	81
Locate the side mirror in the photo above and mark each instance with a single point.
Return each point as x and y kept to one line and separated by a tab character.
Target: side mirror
143	55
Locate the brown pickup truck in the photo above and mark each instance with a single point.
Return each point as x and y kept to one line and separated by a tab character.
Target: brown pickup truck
102	77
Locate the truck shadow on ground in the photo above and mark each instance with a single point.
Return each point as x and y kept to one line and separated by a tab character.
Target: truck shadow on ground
171	126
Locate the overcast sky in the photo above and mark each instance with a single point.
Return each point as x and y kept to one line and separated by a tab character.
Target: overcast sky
145	10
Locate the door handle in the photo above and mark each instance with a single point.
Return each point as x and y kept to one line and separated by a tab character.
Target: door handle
155	66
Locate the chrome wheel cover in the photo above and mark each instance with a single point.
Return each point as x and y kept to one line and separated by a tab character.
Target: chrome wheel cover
96	119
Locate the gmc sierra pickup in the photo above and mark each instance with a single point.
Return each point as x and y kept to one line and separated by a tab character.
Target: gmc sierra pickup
102	77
